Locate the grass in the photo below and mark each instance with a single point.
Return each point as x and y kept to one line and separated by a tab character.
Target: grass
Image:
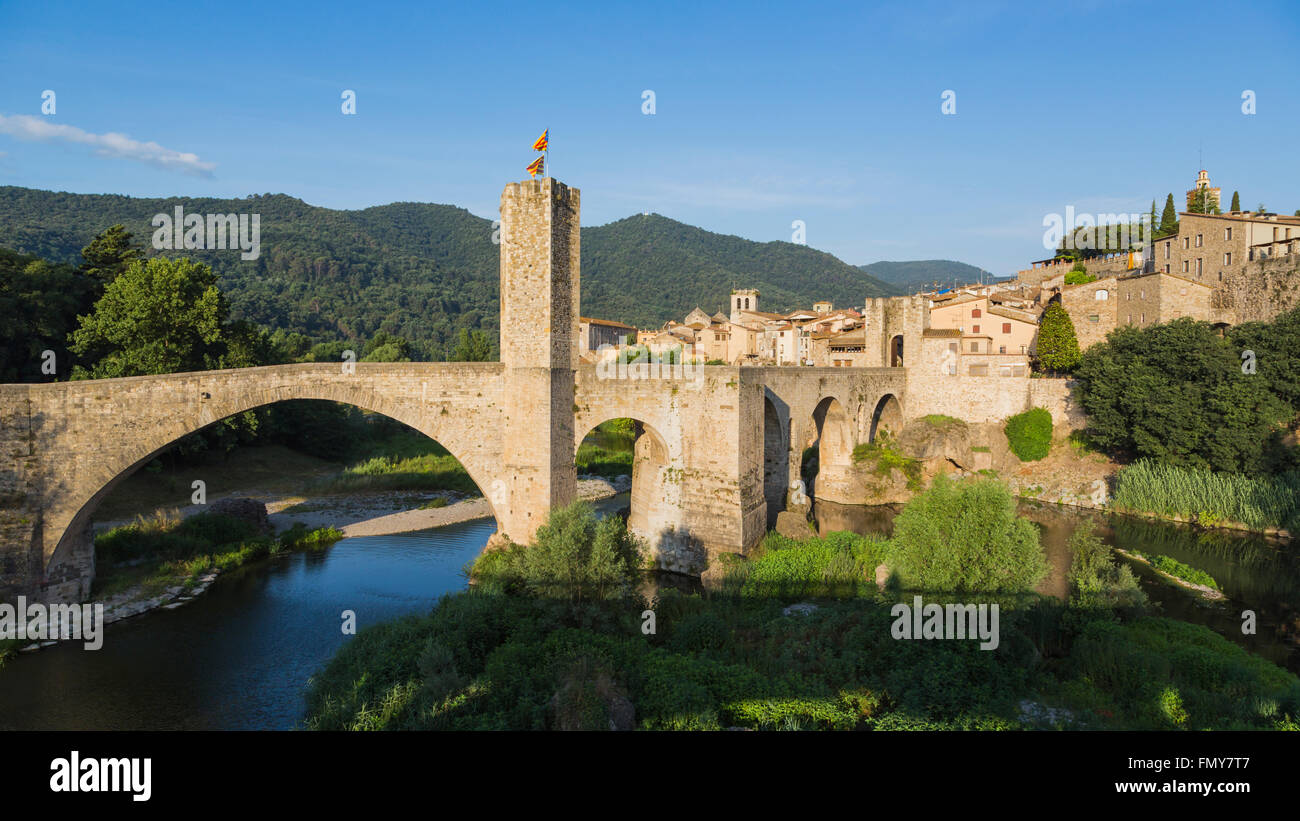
162	551
1210	499
1178	569
608	450
943	422
885	458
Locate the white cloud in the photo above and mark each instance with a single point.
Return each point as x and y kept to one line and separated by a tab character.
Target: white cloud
111	144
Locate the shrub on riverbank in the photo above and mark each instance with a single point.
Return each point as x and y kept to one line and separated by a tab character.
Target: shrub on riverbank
1097	582
965	536
1029	434
1198	495
837	565
575	557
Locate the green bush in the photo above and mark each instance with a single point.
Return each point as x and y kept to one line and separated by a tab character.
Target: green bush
1096	580
576	557
1030	434
965	536
837	565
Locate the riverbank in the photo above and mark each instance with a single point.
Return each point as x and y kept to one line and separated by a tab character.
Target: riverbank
353	515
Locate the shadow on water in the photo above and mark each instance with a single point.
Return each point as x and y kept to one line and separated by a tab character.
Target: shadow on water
1255	573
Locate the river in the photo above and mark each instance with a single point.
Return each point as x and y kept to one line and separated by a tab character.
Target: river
240	656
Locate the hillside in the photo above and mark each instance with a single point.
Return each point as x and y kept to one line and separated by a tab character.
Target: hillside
915	275
423	271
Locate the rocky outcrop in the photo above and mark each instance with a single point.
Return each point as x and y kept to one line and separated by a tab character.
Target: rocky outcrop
794	526
247	510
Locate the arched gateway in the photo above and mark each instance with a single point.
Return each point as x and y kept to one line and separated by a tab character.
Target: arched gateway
719	450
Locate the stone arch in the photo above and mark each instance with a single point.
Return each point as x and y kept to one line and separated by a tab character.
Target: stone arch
894	356
832	434
776	455
656	512
73	552
887	415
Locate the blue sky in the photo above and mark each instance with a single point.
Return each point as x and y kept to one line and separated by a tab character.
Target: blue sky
825	113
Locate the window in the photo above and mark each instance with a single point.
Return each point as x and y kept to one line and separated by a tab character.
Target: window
1006	327
979	370
975	329
1199	240
1094	318
1002	349
974	347
1167	244
1166	267
1199	260
1187	242
975	314
1142	318
1005	370
1103	295
1130	319
1227	232
1186	266
1227	258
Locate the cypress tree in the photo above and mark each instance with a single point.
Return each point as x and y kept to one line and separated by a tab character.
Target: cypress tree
1236	202
1058	346
1169	219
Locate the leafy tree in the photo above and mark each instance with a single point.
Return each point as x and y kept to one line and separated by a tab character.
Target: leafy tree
109	254
1057	346
39	303
471	346
1203	202
1176	392
966	537
1169	219
160	316
384	347
1236	202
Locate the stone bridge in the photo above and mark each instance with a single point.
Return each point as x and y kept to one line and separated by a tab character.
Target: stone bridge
718	450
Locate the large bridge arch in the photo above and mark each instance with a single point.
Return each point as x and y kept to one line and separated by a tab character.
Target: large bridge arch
96	433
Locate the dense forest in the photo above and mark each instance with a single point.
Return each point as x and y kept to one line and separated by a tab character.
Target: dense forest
424	272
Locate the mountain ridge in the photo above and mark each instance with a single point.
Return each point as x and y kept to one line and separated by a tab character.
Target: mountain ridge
425	270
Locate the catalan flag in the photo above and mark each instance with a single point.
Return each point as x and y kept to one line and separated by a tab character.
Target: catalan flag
535	167
541	143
